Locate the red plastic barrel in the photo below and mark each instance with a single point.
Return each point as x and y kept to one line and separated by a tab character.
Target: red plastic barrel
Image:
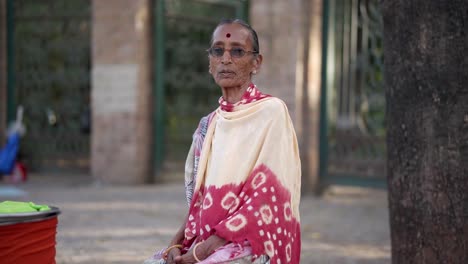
28	238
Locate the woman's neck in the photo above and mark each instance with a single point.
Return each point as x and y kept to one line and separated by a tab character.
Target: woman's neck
233	95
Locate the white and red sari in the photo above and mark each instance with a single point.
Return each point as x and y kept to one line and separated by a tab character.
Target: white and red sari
243	181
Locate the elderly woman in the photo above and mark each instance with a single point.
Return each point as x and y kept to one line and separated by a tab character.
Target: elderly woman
243	168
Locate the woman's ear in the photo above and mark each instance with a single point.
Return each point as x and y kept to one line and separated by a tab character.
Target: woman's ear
257	63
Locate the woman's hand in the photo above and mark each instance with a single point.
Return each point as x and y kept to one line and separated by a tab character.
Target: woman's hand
178	238
172	255
203	250
187	258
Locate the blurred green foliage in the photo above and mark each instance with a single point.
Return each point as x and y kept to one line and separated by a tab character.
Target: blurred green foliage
190	90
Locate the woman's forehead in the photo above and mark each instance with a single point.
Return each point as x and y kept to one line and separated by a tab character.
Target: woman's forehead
231	34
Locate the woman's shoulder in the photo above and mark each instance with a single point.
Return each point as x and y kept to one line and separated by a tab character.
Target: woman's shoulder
274	105
205	122
207	119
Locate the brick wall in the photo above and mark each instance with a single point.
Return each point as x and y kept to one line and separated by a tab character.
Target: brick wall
290	41
121	91
3	70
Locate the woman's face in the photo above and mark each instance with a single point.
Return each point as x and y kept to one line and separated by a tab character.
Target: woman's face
231	71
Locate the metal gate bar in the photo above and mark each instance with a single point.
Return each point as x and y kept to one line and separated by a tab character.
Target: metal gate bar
352	133
177	106
49	75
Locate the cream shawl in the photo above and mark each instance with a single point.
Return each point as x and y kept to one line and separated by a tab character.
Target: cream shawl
248	181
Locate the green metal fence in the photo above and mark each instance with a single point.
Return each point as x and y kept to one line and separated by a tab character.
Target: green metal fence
49	75
184	90
353	100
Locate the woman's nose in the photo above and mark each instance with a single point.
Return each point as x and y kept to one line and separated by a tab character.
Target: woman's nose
226	58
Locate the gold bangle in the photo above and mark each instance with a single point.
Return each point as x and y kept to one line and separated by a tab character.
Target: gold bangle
194	253
169	249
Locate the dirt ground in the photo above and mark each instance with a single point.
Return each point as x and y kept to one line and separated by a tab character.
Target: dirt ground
102	224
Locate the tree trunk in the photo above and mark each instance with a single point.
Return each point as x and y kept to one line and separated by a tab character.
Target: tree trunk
426	83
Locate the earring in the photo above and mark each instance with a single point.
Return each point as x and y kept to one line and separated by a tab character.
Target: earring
254	72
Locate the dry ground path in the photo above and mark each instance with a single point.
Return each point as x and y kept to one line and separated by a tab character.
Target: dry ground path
123	225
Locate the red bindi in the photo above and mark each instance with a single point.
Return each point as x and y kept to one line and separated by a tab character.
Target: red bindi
228	35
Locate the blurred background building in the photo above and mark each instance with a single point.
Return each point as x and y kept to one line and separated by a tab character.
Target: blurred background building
116	88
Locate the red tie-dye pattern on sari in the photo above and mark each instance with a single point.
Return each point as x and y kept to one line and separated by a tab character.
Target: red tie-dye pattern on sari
252	94
258	211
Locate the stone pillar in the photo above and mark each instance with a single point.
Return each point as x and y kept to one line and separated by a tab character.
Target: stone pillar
290	41
121	91
3	70
309	88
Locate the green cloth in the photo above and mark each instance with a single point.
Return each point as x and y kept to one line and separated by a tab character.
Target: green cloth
9	207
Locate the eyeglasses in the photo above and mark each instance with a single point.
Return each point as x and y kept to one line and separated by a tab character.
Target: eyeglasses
234	52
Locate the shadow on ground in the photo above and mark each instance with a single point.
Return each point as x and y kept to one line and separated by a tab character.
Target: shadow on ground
104	224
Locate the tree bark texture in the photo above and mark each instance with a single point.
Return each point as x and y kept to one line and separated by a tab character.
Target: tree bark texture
426	85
